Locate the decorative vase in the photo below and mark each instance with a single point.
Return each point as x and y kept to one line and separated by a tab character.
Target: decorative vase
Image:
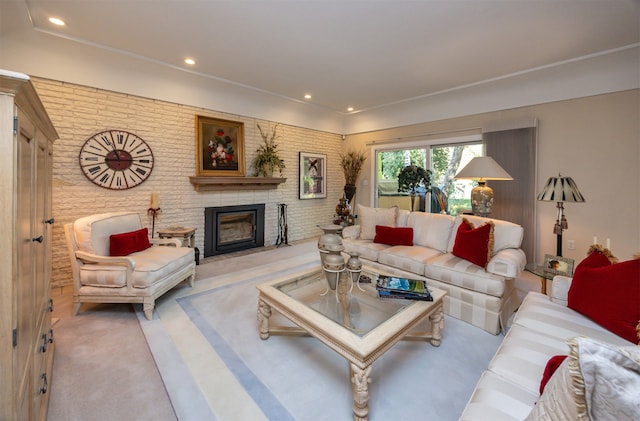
354	266
349	191
328	238
333	264
343	208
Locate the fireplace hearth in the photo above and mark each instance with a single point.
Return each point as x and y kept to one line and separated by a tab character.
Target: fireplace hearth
233	228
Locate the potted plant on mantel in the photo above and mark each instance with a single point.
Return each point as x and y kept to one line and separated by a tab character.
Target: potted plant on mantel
412	176
351	163
267	159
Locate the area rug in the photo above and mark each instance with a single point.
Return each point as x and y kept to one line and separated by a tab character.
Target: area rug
214	365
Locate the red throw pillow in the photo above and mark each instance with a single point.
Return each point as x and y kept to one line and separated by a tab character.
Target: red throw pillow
608	294
394	236
129	242
474	244
551	367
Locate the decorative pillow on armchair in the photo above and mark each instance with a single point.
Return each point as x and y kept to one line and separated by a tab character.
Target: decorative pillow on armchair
609	294
474	244
129	242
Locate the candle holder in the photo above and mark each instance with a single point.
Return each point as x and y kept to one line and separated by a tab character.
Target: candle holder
153	212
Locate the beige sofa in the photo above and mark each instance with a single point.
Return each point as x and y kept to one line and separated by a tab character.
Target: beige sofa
139	277
510	387
483	297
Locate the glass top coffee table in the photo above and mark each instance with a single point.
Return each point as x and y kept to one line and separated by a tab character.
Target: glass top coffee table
352	320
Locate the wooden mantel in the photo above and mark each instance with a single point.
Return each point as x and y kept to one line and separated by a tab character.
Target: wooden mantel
235	183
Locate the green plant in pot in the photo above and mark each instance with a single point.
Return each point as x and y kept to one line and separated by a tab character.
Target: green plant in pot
267	159
411	177
351	162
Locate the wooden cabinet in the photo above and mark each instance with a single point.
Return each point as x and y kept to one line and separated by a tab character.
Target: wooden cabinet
26	337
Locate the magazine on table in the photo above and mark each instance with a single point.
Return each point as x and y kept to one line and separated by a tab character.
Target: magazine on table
399	287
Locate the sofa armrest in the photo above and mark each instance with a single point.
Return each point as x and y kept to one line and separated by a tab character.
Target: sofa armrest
508	263
560	289
107	260
351	232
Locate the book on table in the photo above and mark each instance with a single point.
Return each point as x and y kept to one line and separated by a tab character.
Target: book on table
404	288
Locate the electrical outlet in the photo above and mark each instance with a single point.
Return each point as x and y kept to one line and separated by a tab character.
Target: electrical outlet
571	244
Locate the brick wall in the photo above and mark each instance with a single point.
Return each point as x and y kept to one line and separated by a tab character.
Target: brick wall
78	112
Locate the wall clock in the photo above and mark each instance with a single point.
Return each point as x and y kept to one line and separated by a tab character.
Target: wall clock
115	159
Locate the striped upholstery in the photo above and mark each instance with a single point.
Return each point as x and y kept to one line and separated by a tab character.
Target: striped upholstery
510	387
483	297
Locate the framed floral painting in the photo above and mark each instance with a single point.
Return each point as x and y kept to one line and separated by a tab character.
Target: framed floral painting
219	147
313	180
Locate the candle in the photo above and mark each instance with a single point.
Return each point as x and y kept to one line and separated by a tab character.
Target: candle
155	201
595	240
608	244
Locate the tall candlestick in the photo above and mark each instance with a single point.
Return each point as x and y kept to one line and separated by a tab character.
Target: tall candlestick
595	240
608	244
155	201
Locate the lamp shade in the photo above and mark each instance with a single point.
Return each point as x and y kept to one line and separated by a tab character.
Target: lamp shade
484	168
560	189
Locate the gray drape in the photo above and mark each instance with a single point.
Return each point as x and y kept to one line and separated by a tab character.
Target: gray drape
515	151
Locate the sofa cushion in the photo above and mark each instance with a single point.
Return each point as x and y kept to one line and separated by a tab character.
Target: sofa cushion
129	242
367	248
409	258
431	229
156	263
462	273
92	232
110	276
474	244
370	217
505	234
598	381
608	294
394	236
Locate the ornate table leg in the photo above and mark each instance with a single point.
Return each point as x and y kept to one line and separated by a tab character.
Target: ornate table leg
437	324
360	382
264	312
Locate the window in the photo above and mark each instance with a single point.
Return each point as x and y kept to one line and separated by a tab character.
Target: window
444	159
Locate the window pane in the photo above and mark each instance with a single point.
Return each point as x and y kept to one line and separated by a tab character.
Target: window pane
453	196
389	164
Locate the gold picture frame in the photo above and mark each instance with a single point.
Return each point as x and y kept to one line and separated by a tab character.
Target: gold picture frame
219	147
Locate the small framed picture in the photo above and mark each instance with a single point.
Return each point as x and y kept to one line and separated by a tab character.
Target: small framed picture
313	175
558	265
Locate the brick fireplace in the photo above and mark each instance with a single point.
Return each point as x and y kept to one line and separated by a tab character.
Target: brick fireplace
233	228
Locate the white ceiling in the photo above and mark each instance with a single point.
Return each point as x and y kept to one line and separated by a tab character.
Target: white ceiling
364	54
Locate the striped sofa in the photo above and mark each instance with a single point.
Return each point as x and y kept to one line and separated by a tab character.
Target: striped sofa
483	297
543	326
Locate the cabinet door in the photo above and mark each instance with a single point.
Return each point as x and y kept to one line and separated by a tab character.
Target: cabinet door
41	229
24	300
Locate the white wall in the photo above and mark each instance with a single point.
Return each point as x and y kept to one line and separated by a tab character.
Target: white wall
78	112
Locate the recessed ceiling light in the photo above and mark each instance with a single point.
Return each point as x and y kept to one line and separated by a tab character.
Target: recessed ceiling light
307	96
350	109
190	61
56	21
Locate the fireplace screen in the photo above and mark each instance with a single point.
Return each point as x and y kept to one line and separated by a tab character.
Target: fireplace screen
233	228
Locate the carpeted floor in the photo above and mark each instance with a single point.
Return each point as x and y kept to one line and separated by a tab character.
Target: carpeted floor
208	363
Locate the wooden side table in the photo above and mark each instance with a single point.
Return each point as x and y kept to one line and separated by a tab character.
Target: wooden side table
542	272
186	235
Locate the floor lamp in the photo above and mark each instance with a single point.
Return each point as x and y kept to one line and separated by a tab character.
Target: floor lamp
560	189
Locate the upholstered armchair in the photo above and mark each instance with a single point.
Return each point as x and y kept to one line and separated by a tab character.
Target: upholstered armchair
113	260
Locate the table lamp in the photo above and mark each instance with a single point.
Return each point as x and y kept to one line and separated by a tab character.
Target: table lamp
482	168
560	189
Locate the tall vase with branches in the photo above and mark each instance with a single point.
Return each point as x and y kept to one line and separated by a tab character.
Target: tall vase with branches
410	178
351	162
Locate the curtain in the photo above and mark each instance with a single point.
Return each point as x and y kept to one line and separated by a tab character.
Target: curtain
514	201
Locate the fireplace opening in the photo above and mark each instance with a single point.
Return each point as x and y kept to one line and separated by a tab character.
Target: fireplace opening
233	228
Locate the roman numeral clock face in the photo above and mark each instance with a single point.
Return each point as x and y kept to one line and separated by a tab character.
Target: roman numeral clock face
115	159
